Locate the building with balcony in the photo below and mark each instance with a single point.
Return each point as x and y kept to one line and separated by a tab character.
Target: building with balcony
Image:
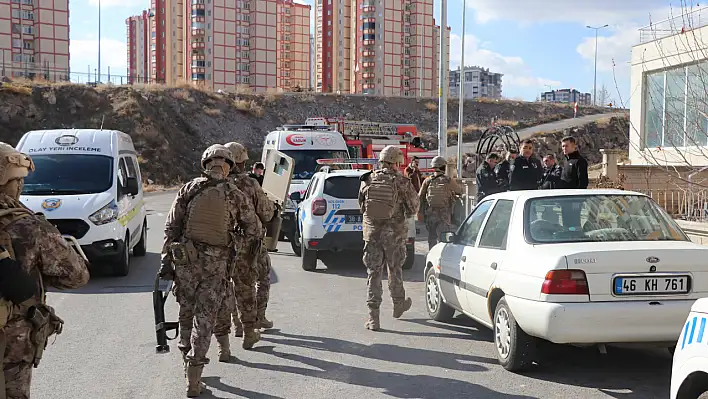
479	82
387	48
669	74
567	96
231	45
138	33
34	39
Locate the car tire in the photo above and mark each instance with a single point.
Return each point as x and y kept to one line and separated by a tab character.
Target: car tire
308	257
437	309
295	243
410	257
121	266
140	249
517	353
671	349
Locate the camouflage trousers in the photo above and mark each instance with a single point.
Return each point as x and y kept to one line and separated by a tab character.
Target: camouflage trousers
437	222
377	255
240	303
18	378
200	298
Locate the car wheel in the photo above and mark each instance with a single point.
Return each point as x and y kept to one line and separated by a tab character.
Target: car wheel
140	249
410	257
121	267
309	258
438	310
672	349
515	348
295	243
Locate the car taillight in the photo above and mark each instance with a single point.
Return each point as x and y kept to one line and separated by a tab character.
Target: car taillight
565	282
319	206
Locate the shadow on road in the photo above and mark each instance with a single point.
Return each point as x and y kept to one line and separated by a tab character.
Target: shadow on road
396	385
350	264
468	328
215	382
387	352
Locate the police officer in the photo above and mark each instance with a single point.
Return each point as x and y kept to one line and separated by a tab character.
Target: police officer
257	172
437	200
551	173
386	199
526	171
502	169
208	221
575	173
487	182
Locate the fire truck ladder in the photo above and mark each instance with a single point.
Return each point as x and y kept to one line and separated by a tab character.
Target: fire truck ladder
379	130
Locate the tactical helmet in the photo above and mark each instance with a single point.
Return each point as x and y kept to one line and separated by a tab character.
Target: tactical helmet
239	152
391	154
13	164
438	162
215	151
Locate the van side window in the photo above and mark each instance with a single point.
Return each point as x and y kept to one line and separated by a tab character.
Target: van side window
122	172
130	163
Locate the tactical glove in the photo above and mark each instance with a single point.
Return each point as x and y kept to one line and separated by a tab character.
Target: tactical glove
166	272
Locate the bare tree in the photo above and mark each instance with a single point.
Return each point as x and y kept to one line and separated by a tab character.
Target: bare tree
603	96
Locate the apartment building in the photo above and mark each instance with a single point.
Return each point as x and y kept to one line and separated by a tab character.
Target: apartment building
34	39
479	82
231	44
567	96
386	47
139	30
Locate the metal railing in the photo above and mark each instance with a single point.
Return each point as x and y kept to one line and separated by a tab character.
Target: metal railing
682	204
686	21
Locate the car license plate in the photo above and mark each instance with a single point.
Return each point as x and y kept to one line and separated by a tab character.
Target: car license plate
353	219
652	285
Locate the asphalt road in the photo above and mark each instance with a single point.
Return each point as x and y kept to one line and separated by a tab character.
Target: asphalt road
318	349
547	127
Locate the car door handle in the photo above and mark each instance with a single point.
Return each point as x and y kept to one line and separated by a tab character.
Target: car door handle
464	258
493	265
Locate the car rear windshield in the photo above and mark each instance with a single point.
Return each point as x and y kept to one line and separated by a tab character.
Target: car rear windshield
589	218
344	187
68	174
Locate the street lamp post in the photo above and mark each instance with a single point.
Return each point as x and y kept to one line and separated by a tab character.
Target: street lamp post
594	85
99	42
442	105
462	93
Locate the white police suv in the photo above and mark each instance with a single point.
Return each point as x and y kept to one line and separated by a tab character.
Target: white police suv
329	217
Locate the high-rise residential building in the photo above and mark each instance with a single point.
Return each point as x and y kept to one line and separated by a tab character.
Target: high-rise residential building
34	39
479	82
313	62
567	96
139	29
387	47
231	44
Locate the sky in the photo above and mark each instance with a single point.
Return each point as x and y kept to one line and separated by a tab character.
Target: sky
536	44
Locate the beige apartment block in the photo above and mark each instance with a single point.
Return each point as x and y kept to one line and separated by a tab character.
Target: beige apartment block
34	39
387	47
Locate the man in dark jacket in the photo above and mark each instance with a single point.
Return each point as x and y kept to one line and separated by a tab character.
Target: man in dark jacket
526	171
575	172
502	169
257	173
487	183
551	173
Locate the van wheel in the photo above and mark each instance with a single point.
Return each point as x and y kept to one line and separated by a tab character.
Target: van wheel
309	258
121	266
410	257
140	249
515	348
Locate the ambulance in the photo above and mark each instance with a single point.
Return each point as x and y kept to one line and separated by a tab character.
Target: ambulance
305	144
87	183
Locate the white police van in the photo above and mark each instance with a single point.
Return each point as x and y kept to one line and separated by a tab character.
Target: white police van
87	183
329	217
689	374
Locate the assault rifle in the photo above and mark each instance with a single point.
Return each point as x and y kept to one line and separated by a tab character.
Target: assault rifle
161	326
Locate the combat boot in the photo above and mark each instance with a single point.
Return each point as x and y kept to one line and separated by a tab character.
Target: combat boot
400	308
373	323
250	337
224	348
194	385
264	323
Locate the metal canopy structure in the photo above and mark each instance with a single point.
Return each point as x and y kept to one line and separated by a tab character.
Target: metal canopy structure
496	138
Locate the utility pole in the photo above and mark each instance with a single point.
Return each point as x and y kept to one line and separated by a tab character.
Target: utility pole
594	85
99	42
420	58
462	94
443	89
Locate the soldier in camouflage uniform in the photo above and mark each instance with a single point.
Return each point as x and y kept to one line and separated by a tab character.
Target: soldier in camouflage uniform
45	258
210	220
248	296
387	199
437	200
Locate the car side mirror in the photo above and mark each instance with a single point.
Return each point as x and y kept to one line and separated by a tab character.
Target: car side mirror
131	186
447	237
295	196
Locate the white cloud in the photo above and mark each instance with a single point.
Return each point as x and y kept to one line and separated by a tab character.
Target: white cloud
120	3
84	53
516	72
615	49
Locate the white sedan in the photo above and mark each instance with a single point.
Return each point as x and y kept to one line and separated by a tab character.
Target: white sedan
582	267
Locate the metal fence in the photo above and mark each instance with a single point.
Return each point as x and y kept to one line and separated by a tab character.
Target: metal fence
17	70
692	19
682	204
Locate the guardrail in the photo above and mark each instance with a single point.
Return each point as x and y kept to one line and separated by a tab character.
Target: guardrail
682	204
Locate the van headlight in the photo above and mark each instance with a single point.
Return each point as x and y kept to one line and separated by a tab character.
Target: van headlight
107	214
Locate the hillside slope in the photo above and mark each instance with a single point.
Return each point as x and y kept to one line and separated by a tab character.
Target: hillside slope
172	126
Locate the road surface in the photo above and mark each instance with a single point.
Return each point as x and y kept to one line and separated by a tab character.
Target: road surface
318	349
546	127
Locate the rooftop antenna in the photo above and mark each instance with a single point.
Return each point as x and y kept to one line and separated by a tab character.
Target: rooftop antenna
103	118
